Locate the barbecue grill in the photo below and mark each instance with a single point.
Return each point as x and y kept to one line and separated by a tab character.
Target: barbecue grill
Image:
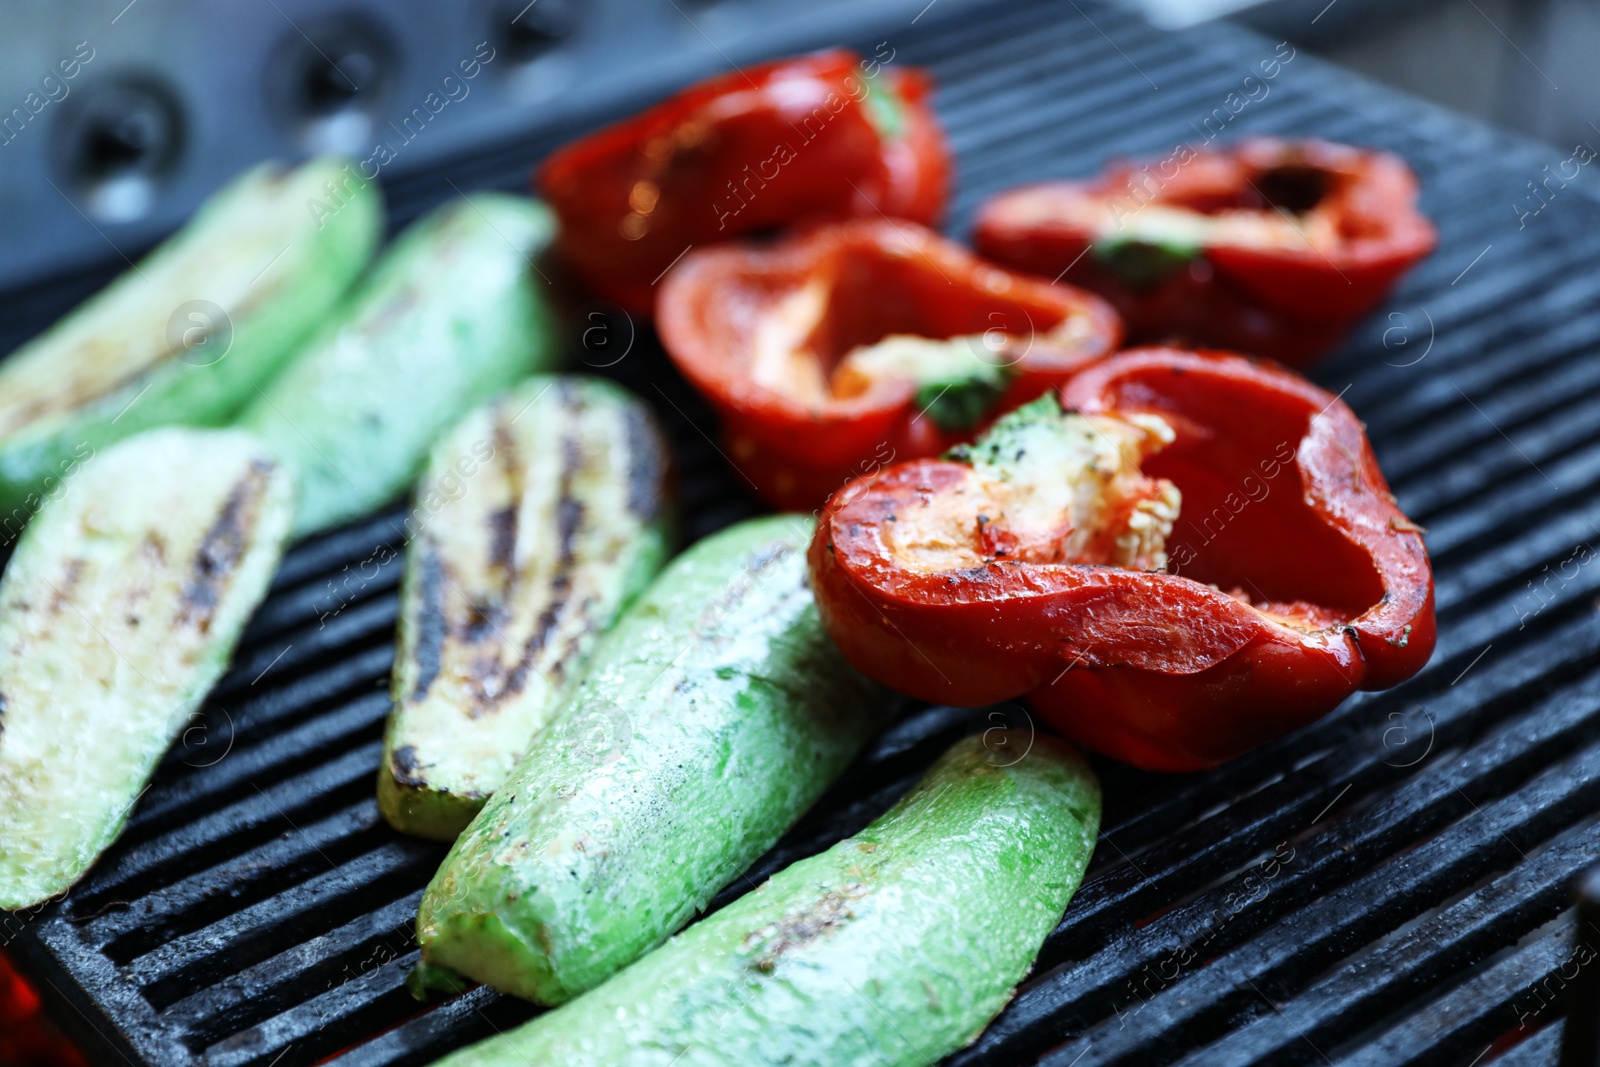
1388	886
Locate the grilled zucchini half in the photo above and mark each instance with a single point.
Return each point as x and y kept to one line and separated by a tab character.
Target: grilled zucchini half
893	948
189	334
713	714
537	521
119	610
453	313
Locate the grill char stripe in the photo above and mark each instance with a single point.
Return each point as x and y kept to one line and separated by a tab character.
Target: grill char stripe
503	521
645	460
1056	108
432	624
569	515
224	545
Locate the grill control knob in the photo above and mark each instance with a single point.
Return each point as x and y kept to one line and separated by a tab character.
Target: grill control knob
527	31
115	143
331	83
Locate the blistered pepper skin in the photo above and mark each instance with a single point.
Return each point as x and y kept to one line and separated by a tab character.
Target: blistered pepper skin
1285	513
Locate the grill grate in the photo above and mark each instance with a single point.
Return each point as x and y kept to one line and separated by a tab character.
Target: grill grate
1387	886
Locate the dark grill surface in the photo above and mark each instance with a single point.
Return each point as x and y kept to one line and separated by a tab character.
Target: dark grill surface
1385	887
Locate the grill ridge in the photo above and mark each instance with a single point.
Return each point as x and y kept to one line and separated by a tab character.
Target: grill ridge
258	911
1424	804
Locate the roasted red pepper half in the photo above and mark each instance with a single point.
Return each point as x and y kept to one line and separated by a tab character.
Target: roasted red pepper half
1179	556
822	136
838	350
1272	247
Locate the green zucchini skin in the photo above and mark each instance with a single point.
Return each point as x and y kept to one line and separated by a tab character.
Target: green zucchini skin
894	947
119	610
712	715
539	518
112	369
452	314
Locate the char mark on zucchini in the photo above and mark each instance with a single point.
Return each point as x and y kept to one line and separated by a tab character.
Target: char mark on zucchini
497	684
818	919
432	624
407	768
503	521
61	592
502	536
646	465
569	515
224	545
739	590
514	582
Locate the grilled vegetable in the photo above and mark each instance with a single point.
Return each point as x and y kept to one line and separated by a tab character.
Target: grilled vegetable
118	611
824	352
191	332
1272	247
1178	557
712	715
540	517
894	947
824	136
449	317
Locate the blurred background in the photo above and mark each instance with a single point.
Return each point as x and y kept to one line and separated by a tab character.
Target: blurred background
118	116
1525	65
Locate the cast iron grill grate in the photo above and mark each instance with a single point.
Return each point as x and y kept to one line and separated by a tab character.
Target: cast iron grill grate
1385	887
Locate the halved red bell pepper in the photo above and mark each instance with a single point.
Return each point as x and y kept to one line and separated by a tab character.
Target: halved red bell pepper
839	350
822	136
1271	247
1055	559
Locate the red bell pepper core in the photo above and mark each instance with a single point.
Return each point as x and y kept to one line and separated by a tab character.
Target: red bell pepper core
1031	562
1272	247
837	351
816	137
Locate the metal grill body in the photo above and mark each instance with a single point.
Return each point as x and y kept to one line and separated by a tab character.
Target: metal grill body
1385	887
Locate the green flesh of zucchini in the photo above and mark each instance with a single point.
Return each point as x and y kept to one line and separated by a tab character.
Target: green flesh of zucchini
538	519
895	947
191	333
119	610
712	715
452	314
